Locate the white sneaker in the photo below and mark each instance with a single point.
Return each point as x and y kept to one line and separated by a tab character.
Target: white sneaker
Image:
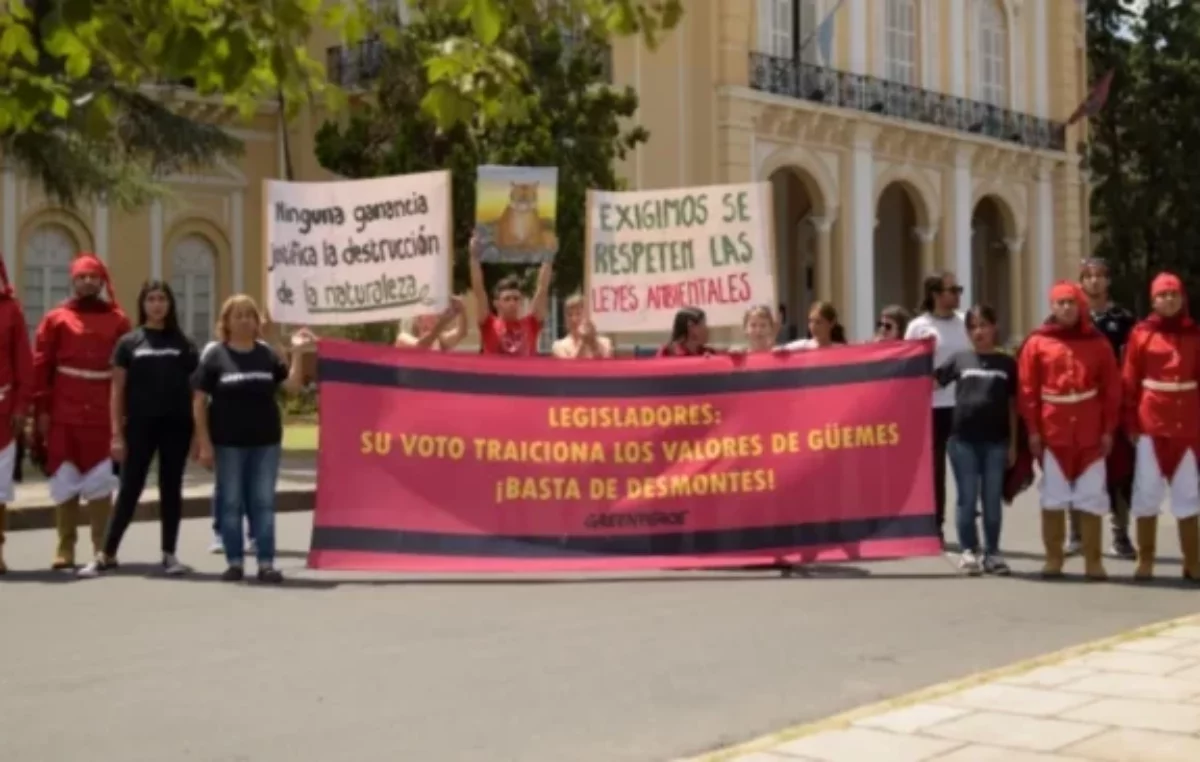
91	571
968	563
172	567
217	547
251	546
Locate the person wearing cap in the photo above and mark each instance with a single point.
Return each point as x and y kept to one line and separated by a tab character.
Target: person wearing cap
1162	406
16	377
1115	322
1069	395
72	376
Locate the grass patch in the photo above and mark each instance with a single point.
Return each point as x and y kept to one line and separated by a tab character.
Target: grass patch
300	436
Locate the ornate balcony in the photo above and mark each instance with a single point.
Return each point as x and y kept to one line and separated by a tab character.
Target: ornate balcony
830	87
354	66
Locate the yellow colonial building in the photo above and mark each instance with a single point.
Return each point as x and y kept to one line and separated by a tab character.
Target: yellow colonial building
901	136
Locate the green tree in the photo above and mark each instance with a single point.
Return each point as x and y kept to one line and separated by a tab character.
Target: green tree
1146	193
574	121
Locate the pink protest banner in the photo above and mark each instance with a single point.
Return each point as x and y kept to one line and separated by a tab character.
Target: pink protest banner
455	462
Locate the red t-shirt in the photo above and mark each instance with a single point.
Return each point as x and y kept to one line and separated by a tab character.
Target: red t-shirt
516	338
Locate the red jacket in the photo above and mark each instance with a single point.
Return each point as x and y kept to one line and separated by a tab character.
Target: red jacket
72	361
1161	378
16	366
1069	393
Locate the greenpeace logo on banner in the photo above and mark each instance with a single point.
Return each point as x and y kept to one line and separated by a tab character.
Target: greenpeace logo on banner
651	253
358	251
228	379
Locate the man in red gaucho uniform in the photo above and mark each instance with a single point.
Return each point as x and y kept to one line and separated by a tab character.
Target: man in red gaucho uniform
16	376
1069	396
72	369
1162	408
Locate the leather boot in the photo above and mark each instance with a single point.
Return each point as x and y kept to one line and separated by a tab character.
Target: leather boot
99	512
3	526
1147	539
1189	547
1090	527
1054	534
66	518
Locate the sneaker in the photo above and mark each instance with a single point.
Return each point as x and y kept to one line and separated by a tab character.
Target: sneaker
172	567
1123	548
98	566
968	563
270	575
233	574
251	545
217	547
1074	547
994	563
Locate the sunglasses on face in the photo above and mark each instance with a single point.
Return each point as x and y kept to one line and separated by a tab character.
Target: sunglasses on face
885	326
951	289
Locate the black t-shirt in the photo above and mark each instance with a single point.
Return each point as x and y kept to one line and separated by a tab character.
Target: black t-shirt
243	411
158	366
1115	323
986	384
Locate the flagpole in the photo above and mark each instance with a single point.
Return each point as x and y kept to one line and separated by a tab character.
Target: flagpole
816	32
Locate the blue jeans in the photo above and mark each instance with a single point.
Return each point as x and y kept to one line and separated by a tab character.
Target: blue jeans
246	478
216	513
979	477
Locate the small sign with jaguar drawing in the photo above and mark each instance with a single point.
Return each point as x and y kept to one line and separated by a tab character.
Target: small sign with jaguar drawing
515	212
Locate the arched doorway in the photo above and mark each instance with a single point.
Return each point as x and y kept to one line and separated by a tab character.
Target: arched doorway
46	270
991	264
799	224
897	249
194	281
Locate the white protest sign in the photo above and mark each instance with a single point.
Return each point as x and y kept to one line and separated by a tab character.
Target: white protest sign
358	251
651	253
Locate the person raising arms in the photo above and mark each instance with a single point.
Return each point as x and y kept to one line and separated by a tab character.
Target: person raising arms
581	340
434	331
508	332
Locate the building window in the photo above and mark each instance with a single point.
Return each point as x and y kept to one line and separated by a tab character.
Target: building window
784	26
993	53
46	271
194	280
900	41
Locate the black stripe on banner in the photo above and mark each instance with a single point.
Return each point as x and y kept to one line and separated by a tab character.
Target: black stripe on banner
680	385
727	541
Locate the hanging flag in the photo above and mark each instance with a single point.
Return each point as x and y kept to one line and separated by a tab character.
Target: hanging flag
1095	100
824	35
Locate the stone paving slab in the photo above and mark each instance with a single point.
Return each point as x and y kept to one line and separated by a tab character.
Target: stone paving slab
1132	698
295	491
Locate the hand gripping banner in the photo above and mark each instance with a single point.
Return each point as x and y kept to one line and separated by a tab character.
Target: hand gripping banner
456	462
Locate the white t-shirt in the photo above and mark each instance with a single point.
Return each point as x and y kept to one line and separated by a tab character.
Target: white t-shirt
952	338
800	345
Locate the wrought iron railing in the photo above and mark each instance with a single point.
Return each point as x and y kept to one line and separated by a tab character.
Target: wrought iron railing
784	76
353	66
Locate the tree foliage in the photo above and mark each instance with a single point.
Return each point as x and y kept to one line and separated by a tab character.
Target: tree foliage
573	120
1143	144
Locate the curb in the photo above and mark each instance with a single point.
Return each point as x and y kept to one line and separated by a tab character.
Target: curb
194	506
931	693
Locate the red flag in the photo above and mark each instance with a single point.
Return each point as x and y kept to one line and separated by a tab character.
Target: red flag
1095	99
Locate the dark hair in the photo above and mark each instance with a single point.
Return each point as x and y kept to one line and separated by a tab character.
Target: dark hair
933	285
837	334
507	283
685	319
171	321
983	312
898	315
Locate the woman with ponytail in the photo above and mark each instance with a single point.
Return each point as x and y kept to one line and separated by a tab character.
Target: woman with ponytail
824	329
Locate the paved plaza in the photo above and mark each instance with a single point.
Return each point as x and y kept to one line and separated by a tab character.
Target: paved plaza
604	668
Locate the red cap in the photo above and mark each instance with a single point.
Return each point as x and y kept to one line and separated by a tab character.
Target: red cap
1066	289
87	263
1166	282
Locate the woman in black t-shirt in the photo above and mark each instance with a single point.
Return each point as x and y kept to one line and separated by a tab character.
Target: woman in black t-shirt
151	414
239	428
982	442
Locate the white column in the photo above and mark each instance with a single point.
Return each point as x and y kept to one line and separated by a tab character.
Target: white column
824	228
861	284
926	237
857	15
1045	231
958	49
237	232
100	230
963	264
156	239
1041	80
10	221
1016	286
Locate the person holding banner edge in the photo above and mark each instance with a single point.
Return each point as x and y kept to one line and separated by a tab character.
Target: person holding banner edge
689	335
434	332
508	332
